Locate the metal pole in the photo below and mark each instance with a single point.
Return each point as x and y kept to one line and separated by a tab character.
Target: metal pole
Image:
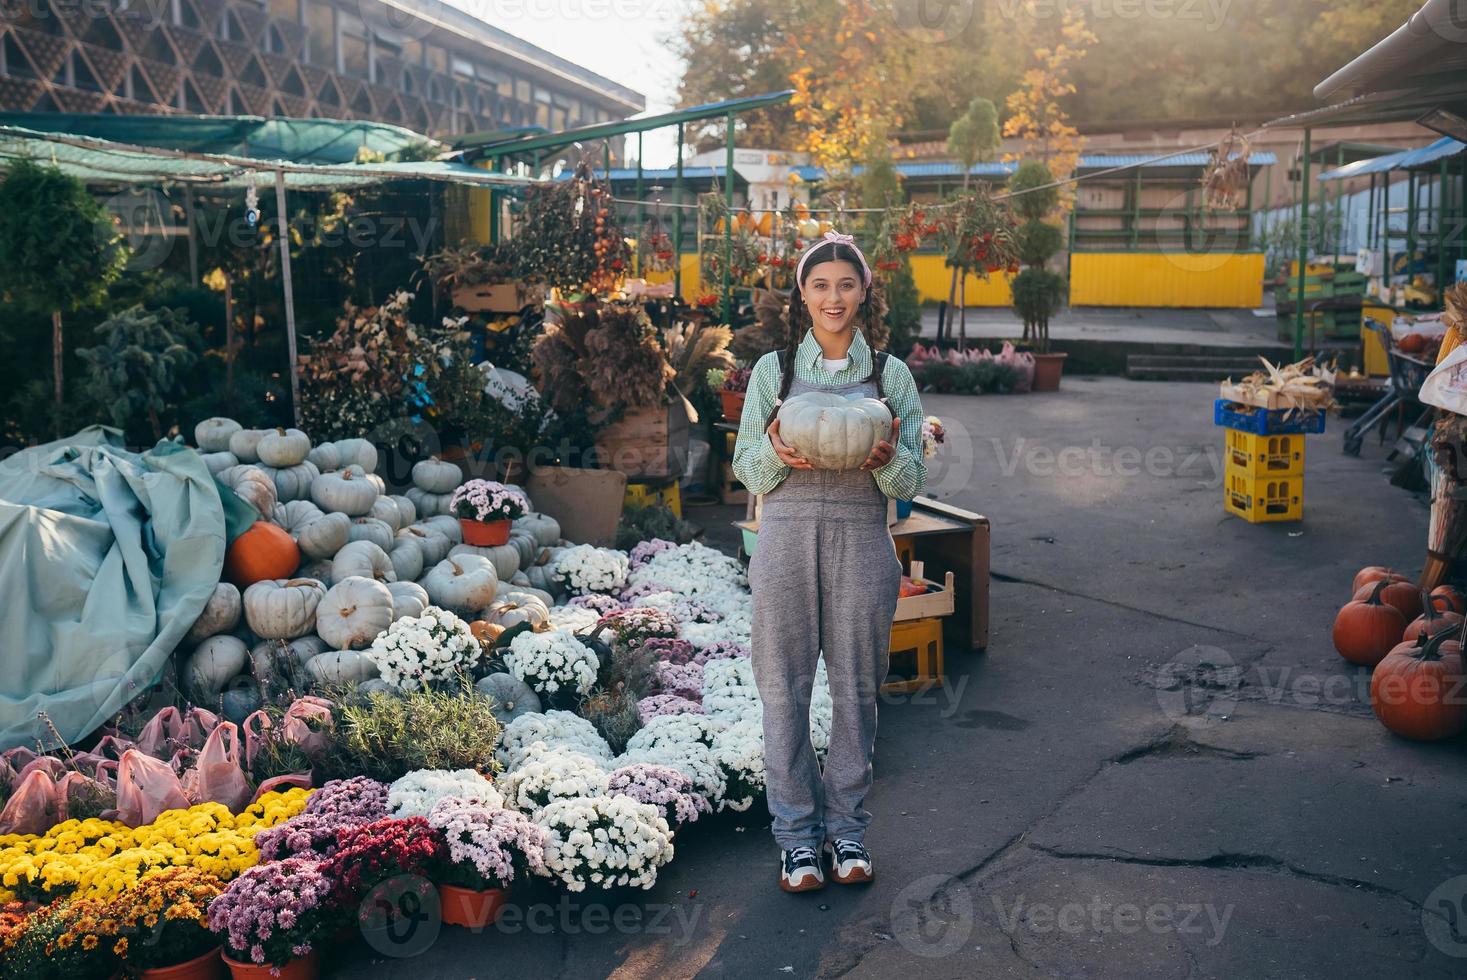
728	219
193	241
677	221
1410	223
295	379
1136	212
1370	216
1339	201
1303	248
641	211
1248	222
1441	225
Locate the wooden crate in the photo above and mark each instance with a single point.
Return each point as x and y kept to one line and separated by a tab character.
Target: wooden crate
501	297
730	490
647	443
929	605
916	662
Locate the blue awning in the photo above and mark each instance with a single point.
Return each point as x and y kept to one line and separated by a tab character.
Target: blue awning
1404	160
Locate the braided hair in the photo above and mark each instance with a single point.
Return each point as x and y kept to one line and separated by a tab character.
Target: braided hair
869	318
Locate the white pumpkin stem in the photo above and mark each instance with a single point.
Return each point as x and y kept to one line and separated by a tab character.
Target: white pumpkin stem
456	569
348	611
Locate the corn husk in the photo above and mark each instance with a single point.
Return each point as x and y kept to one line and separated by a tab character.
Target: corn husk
1295	387
1446	532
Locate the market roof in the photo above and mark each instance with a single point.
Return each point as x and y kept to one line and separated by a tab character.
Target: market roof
1004	169
99	161
661	173
1420	156
481	145
1348	151
1418	68
274	138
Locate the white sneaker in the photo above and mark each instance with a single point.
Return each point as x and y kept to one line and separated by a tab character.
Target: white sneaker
850	862
799	870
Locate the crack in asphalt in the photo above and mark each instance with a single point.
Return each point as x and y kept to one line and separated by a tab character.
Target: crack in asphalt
1018	580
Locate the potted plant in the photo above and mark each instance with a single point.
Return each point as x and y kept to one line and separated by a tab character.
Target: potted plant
171	945
732	386
271	918
487	849
485	509
1038	292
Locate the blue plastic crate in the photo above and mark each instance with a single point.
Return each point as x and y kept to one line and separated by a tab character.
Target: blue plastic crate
1266	421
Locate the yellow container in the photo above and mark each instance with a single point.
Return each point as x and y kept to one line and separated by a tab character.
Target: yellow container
916	656
648	495
1261	499
1264	456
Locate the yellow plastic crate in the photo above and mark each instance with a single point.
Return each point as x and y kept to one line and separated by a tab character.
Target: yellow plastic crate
1265	456
1265	498
647	495
916	656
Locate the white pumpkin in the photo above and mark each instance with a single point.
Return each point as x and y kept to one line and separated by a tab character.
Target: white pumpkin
447	526
378	483
283	448
282	609
543	577
292	482
407	559
353	612
252	485
325	456
295	514
212	435
246	444
360	452
373	530
406	508
336	667
240	698
832	431
385	510
428	504
317	568
522	586
408	599
324	536
512	608
463	584
302	649
220	615
275	667
347	491
506	557
511	696
525	545
211	665
362	559
544	528
435	546
219	462
436	476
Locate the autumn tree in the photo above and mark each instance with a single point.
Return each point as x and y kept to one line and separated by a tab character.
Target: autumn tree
1036	114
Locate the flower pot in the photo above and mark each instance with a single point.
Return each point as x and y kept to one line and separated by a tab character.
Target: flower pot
468	908
209	966
302	968
733	404
903	509
1047	370
484	533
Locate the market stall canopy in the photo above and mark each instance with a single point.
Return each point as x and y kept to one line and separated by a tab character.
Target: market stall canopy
100	161
1003	169
1420	156
274	138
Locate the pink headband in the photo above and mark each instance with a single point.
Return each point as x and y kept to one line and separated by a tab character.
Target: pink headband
839	239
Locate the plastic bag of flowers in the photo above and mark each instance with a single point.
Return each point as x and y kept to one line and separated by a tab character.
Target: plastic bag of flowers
488	849
605	840
274	914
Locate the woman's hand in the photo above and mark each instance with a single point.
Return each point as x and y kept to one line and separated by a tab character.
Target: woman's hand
883	451
786	453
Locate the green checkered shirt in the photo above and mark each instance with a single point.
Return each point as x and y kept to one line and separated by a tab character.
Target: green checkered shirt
757	465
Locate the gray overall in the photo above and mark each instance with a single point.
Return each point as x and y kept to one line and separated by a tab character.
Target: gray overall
825	577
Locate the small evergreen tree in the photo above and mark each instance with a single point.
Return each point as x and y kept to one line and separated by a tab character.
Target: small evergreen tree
1038	292
140	371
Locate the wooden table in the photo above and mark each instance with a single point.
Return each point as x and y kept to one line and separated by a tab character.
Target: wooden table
946	539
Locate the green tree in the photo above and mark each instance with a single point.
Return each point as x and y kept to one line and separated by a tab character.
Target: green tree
141	369
1038	292
972	137
59	251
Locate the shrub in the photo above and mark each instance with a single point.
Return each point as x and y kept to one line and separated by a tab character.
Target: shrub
387	735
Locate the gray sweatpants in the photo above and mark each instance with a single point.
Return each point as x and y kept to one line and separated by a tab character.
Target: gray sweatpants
825	577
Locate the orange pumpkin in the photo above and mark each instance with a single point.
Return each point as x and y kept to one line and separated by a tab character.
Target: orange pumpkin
1400	593
485	632
1366	629
1418	690
263	552
1412	343
1437	616
1371	574
1453	595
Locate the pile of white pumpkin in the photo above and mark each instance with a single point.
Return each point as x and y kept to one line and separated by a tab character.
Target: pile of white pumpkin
368	558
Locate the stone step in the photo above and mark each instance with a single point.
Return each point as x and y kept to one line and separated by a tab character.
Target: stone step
1232	363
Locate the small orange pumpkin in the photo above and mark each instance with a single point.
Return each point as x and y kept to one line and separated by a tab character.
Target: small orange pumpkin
263	552
1367	628
1453	595
1397	592
1418	690
1436	616
485	632
1371	574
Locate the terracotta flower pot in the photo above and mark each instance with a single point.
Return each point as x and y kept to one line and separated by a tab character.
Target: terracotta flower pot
209	966
303	968
1047	370
733	404
484	533
468	908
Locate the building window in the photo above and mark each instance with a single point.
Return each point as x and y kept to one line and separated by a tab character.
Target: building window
355	54
522	90
320	35
274	42
412	52
463	67
438	59
288	10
